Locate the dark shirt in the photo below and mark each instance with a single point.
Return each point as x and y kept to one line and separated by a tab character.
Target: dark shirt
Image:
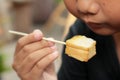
103	66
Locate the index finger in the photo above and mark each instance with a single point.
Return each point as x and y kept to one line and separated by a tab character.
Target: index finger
30	38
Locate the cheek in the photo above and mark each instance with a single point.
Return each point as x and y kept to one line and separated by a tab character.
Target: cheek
114	17
71	6
111	10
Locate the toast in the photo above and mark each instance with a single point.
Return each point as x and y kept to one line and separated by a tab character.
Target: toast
81	48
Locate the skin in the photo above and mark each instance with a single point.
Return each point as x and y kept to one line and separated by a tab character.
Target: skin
98	14
101	16
34	57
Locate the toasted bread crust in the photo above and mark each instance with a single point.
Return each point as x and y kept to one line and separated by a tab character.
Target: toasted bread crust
81	48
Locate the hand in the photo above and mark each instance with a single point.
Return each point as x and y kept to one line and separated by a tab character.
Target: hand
34	57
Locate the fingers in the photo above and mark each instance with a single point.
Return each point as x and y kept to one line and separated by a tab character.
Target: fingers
44	63
30	48
32	59
33	55
35	36
36	63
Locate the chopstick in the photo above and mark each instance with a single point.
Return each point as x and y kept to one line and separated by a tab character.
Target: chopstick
48	39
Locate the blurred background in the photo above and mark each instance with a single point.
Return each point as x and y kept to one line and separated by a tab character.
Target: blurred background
50	16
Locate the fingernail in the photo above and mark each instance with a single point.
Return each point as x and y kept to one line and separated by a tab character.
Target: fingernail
55	54
51	43
37	34
53	47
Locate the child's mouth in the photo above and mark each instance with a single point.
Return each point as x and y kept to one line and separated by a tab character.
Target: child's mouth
96	25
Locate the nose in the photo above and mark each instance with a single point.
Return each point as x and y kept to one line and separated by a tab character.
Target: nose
87	7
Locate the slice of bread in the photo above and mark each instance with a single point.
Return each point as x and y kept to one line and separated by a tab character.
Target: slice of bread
81	48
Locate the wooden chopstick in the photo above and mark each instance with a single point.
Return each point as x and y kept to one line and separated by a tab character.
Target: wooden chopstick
24	34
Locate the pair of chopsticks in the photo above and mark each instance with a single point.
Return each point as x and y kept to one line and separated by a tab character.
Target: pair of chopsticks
24	34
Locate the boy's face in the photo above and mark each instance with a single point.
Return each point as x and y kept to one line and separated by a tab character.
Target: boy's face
102	16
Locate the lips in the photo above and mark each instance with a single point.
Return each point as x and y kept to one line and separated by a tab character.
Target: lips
96	25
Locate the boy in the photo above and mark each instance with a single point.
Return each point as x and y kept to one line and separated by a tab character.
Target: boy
98	19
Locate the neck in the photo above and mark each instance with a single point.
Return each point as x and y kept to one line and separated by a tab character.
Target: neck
117	44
